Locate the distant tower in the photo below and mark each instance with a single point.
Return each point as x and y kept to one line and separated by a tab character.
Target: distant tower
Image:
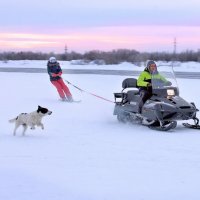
174	53
65	54
66	49
175	43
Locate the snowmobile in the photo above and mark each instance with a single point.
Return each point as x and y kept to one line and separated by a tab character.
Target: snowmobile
162	110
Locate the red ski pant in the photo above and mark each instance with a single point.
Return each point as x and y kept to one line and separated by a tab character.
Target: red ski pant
62	89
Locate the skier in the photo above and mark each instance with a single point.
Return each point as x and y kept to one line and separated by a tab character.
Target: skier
54	70
144	82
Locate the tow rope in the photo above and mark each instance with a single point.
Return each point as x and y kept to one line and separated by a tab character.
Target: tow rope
95	95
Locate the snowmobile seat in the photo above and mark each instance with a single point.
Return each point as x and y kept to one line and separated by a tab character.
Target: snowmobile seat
129	83
132	95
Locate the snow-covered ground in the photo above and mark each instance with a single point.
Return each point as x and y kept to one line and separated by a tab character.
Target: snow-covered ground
186	66
84	153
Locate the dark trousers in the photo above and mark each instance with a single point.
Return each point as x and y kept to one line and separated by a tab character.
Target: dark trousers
144	95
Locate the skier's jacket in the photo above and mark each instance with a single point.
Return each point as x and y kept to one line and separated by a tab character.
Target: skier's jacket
54	70
146	77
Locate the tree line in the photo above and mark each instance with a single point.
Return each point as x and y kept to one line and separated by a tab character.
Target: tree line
108	57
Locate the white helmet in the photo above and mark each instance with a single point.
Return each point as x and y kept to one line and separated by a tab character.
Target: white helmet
52	60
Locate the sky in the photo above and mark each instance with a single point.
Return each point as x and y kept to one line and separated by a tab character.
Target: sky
83	25
84	153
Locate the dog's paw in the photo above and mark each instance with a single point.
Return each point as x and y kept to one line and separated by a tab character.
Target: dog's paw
42	126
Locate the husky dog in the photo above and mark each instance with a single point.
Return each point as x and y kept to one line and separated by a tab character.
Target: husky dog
30	119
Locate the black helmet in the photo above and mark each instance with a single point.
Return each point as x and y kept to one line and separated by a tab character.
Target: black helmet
150	62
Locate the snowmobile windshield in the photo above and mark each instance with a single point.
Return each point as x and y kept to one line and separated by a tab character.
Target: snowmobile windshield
164	81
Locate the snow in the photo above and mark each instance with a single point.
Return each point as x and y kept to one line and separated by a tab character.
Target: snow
84	153
182	67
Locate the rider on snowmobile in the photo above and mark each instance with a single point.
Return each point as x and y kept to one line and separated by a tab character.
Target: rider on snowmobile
144	82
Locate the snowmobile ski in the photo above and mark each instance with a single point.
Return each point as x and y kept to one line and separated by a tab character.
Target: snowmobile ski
191	126
165	127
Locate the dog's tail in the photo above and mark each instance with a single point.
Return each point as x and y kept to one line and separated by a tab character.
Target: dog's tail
13	120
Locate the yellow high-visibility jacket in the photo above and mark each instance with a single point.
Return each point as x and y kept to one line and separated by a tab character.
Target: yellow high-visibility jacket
145	78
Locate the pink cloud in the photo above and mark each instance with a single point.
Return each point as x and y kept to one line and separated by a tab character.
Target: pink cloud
141	38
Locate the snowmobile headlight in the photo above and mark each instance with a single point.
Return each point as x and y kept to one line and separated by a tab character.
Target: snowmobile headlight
170	92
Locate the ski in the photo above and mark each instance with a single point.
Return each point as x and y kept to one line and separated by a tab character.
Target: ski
165	127
73	101
191	126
